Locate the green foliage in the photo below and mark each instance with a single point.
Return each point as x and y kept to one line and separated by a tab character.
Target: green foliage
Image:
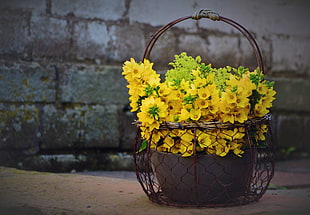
143	146
257	76
221	76
182	68
189	99
205	70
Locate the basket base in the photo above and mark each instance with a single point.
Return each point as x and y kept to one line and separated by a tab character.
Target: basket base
208	179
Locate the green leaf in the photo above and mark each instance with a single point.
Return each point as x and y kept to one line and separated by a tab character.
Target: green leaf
189	99
148	90
143	146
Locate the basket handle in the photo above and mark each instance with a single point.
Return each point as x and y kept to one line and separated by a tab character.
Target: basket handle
206	13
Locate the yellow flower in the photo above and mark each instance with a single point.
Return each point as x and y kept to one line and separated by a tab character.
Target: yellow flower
169	141
156	136
229	97
232	134
189	151
186	148
236	146
206	115
210	78
260	133
134	103
221	148
242	115
195	114
243	84
152	109
262	89
187	136
214	104
131	68
227	117
214	92
185	85
224	107
200	82
176	94
164	90
271	92
244	92
210	150
268	98
242	101
203	93
200	103
185	115
260	110
246	83
136	90
204	139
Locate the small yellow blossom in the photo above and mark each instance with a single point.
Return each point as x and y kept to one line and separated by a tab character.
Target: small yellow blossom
195	114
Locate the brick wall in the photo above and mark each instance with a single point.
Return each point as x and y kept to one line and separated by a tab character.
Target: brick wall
61	86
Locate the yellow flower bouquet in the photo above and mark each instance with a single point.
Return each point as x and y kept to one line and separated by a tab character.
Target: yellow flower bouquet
196	93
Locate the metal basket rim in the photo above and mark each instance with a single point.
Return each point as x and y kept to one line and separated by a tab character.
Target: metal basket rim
210	124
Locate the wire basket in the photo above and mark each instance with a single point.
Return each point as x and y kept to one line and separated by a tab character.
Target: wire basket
206	180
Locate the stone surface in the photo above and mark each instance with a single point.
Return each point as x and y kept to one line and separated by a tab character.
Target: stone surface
291	53
14	39
157	14
61	64
290	132
306	128
92	84
80	127
127	41
127	131
292	94
102	127
223	51
19	127
27	82
164	49
63	127
50	37
196	45
106	9
90	40
35	6
47	193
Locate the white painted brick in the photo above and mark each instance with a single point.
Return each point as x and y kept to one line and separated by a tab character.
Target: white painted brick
103	9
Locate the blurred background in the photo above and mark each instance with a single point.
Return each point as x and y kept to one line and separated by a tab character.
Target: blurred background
64	102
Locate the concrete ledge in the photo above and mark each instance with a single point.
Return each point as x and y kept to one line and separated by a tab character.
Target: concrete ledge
47	193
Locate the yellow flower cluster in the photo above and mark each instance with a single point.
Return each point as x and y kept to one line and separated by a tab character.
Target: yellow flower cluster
225	95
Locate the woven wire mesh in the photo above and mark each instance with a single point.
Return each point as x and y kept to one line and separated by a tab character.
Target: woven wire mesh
203	180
